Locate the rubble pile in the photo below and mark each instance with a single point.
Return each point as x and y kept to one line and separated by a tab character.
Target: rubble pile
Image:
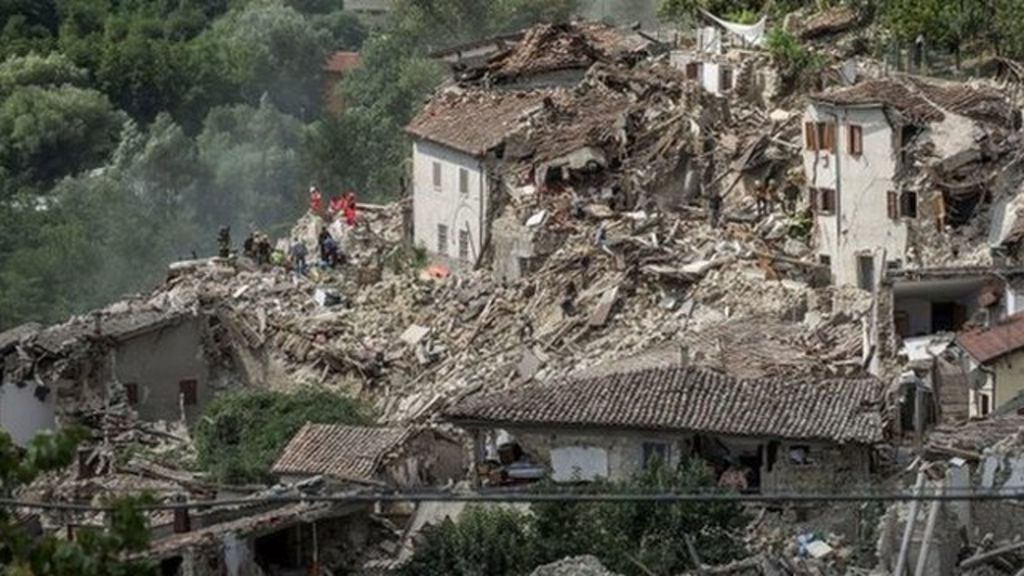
576	566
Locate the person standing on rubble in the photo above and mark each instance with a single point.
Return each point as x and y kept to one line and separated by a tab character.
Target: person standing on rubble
263	249
224	242
321	239
349	211
297	255
249	246
764	199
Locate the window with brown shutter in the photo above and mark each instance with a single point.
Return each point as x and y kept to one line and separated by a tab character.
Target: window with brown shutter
188	389
830	137
891	205
811	135
692	70
813	198
855	137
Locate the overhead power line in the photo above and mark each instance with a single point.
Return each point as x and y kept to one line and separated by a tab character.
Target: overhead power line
949	495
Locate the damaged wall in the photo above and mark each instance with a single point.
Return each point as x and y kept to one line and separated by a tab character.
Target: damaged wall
26	408
860	223
164	365
458	212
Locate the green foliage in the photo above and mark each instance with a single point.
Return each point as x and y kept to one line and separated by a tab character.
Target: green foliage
795	62
266	48
252	162
454	21
484	542
48	133
46	71
344	29
499	541
380	100
242	434
96	552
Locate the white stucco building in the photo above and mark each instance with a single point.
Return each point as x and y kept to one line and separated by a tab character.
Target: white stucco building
852	142
457	145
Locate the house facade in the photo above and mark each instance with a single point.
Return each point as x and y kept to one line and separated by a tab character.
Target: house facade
457	140
850	165
151	360
757	435
994	362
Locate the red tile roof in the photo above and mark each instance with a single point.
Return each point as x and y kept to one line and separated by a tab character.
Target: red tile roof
473	121
553	47
692	400
987	344
344	452
343	62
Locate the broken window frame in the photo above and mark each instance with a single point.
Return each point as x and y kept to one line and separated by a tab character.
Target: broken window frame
855	139
189	391
437	175
442	239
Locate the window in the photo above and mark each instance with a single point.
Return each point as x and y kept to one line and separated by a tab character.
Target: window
655	452
986	406
908	204
442	239
901	204
464	245
855	139
866	271
725	78
463	181
131	391
824	259
823	200
188	391
437	175
693	70
820	136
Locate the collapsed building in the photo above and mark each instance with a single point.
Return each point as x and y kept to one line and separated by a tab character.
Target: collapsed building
858	282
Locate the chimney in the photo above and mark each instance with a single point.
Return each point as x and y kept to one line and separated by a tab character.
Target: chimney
182	519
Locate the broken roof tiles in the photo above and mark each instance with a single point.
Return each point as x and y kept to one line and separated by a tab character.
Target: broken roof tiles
987	344
923	102
692	400
550	48
115	326
344	452
473	122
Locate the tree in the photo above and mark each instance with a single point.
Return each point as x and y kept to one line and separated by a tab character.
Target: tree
48	133
267	48
253	166
242	434
380	98
344	29
27	26
620	534
50	71
96	551
494	541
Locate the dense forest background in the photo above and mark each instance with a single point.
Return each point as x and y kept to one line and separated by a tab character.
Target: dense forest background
131	130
